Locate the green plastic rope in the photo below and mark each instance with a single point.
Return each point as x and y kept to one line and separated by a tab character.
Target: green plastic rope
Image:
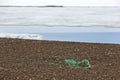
83	63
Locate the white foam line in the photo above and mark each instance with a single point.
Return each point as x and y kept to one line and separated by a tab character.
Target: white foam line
21	36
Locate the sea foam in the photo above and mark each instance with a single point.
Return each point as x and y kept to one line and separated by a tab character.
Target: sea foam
21	36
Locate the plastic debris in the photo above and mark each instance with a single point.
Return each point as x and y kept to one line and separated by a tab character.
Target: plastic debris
71	62
83	63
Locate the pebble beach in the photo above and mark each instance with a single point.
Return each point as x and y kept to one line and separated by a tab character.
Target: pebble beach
44	60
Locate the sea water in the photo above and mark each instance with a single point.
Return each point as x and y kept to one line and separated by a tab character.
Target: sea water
74	34
79	24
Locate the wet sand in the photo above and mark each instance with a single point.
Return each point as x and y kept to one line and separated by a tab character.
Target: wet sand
44	60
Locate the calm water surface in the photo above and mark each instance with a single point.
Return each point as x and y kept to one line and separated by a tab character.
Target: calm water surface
76	34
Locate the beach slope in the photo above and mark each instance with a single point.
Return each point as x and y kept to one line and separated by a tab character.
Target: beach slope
44	60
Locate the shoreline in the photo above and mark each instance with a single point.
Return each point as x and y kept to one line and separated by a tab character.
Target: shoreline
61	41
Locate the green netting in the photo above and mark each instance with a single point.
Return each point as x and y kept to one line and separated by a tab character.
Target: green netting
71	62
83	63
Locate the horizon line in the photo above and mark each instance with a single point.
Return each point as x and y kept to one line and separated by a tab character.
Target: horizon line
50	6
31	6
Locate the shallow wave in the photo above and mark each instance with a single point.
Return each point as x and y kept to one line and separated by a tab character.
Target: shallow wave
21	36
